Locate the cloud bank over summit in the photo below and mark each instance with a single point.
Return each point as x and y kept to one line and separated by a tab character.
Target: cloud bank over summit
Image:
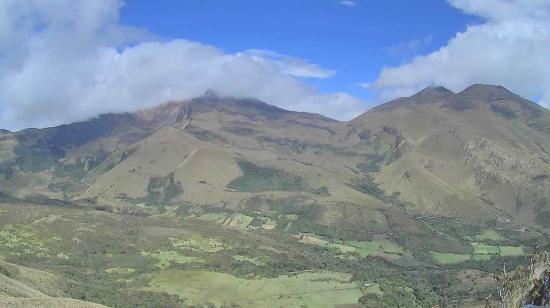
64	60
510	47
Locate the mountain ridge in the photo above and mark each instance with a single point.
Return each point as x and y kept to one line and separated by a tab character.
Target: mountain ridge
406	122
212	98
439	187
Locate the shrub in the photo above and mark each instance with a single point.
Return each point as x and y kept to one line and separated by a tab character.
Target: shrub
258	179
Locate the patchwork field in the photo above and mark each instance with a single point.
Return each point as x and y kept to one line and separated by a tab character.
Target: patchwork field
488	234
310	289
380	247
450	258
481	251
269	253
165	258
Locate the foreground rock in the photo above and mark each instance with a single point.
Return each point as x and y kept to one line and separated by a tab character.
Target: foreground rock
527	286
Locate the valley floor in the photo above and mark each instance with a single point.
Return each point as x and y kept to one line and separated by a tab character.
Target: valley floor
192	256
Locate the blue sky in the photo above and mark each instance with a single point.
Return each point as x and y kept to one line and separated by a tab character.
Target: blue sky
356	41
64	60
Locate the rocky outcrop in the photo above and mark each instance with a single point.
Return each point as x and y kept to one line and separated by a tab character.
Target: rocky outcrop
527	286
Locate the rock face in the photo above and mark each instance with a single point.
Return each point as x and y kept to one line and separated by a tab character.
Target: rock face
527	286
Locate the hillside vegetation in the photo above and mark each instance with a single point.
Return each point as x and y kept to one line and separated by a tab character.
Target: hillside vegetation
418	202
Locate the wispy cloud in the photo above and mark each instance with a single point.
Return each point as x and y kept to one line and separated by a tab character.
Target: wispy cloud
64	61
289	65
348	3
363	85
410	46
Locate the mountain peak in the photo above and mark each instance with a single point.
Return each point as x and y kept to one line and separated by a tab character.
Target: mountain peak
427	95
434	91
487	92
210	94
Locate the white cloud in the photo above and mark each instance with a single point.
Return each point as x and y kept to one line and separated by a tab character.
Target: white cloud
505	10
289	65
511	48
65	60
348	3
364	85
